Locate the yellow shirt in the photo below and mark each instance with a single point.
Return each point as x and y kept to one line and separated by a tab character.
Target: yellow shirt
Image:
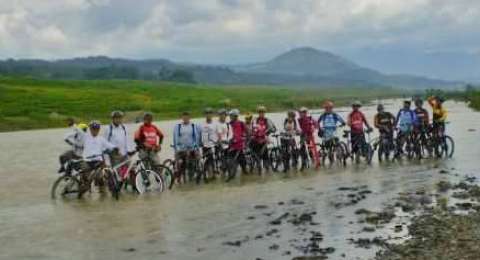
439	113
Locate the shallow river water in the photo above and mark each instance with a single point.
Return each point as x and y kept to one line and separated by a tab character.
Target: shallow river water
193	222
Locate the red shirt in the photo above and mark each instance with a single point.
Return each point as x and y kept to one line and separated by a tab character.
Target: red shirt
239	132
307	125
356	120
149	135
260	130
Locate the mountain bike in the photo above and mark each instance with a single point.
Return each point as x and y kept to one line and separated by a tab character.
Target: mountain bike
384	145
67	186
334	149
308	152
443	145
360	146
150	177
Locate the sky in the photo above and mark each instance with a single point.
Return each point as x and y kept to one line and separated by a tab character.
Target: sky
371	32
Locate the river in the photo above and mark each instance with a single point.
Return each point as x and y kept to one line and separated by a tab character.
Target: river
193	222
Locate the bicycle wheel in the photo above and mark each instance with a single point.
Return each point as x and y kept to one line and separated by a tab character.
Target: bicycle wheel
277	159
112	183
448	146
232	166
148	181
166	175
368	153
65	187
340	155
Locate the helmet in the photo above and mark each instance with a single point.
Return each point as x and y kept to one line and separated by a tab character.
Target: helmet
222	111
117	114
291	113
82	126
380	107
328	104
94	124
303	109
357	103
208	110
248	116
261	109
234	112
147	114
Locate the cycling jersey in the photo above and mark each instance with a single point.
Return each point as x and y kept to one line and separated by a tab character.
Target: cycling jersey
406	120
209	135
94	147
261	128
422	117
307	125
149	135
439	113
239	131
356	121
75	138
117	135
328	122
290	127
384	120
186	137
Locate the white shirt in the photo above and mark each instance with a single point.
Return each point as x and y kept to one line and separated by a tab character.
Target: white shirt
118	136
224	131
75	137
209	134
93	147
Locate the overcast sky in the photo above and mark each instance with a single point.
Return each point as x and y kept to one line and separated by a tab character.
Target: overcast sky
235	31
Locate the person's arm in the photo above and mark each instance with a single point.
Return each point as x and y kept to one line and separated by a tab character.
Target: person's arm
198	142
340	119
69	138
365	121
349	120
397	118
160	137
175	137
444	112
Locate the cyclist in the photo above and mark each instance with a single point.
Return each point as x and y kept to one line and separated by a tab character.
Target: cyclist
73	138
405	122
117	134
307	129
357	123
384	121
237	142
328	123
287	140
209	135
423	118
223	127
262	127
149	138
439	114
186	140
94	146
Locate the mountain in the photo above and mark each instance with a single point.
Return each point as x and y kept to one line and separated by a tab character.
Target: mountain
298	67
302	62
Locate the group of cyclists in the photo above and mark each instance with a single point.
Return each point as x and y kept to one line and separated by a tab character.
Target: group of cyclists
224	143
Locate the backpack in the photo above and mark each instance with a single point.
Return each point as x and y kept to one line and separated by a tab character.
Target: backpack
194	134
111	132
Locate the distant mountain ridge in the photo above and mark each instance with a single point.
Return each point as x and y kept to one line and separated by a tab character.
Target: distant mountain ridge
304	66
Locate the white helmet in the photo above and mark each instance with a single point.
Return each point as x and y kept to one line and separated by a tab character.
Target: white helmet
234	112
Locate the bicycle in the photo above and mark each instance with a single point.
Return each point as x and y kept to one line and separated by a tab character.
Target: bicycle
67	184
308	151
334	149
360	147
443	145
151	177
188	167
384	144
99	174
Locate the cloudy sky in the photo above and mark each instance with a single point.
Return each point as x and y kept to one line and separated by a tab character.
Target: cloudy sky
237	31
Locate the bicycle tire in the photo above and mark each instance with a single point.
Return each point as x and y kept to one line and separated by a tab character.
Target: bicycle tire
156	179
71	180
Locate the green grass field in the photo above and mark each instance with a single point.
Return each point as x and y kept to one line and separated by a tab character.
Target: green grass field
31	103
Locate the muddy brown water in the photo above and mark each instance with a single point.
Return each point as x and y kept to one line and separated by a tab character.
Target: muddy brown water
193	222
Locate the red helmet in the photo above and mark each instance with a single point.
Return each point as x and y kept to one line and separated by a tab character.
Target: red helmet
328	104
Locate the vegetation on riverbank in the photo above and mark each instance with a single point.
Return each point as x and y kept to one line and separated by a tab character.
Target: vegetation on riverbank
31	103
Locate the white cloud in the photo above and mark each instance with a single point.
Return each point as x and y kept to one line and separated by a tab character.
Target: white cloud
222	30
